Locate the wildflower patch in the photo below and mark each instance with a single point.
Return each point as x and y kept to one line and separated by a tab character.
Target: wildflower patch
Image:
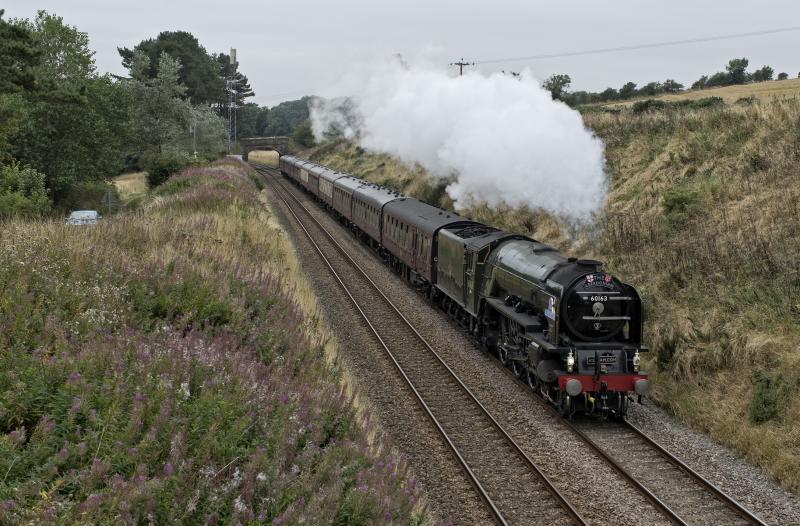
155	368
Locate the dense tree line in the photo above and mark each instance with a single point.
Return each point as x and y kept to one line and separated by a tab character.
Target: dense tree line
259	121
66	129
735	73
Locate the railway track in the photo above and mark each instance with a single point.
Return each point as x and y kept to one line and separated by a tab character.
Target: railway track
513	487
681	494
693	499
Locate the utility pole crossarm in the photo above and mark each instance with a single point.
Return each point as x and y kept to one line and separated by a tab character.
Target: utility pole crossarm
461	63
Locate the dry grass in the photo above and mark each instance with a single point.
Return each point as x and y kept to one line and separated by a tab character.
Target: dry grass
703	216
264	157
761	90
131	184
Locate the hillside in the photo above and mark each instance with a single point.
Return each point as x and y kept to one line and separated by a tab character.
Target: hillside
703	216
763	91
167	366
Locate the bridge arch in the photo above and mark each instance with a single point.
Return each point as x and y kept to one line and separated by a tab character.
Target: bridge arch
278	144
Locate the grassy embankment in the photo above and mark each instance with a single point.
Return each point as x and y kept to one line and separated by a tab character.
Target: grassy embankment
703	216
167	367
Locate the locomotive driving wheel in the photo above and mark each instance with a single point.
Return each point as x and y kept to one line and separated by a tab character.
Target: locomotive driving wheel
512	348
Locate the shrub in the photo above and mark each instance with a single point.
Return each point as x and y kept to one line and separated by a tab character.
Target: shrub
653	105
160	167
707	102
680	202
764	404
648	105
22	192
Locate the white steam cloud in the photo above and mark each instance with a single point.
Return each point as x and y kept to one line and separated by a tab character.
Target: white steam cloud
504	138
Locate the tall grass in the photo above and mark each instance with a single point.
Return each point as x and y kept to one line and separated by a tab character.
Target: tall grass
156	368
703	216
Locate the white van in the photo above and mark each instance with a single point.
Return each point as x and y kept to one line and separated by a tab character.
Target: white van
84	217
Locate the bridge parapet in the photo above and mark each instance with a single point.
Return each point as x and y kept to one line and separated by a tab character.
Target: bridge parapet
279	144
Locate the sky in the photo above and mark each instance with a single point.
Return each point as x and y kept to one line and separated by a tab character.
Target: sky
293	48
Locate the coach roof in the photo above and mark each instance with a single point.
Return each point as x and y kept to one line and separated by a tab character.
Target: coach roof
425	217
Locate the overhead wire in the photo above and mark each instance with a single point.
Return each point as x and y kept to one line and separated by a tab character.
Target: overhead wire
641	46
651	45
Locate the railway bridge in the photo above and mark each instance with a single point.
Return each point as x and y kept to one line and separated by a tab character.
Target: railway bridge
278	144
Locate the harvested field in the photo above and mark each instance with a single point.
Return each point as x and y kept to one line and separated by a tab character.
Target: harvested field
265	157
765	91
131	184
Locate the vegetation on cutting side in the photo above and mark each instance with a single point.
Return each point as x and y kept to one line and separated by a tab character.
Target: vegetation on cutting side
735	74
157	367
741	93
703	216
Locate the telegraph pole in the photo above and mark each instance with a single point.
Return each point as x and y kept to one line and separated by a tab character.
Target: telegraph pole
230	86
461	65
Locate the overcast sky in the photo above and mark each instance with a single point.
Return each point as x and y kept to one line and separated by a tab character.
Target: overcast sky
297	47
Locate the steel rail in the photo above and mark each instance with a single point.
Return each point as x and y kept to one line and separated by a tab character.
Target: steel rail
613	463
721	495
548	483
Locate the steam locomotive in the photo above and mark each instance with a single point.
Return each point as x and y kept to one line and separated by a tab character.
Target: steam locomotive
570	330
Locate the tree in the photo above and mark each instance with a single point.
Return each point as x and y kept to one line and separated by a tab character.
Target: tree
210	132
651	89
737	71
242	85
783	76
18	57
166	127
75	126
700	83
763	74
303	135
671	86
557	85
627	91
22	192
720	78
159	113
250	120
609	94
286	116
261	122
199	71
